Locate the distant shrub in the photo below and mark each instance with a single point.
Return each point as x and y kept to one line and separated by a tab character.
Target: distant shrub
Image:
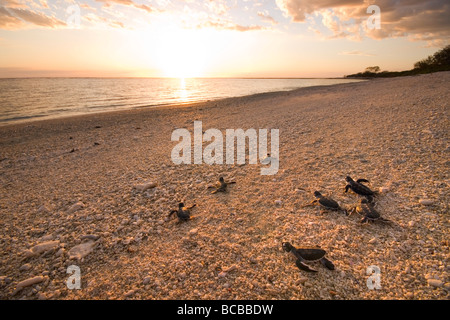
440	61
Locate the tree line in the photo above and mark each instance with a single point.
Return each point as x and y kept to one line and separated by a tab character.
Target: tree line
440	61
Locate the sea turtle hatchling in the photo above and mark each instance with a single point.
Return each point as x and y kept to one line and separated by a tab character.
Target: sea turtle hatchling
308	254
369	213
183	213
222	186
326	203
358	188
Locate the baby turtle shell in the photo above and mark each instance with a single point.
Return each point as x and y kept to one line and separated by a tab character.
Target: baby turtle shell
183	213
358	188
307	254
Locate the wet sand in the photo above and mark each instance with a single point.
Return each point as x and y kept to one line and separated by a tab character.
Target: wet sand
72	181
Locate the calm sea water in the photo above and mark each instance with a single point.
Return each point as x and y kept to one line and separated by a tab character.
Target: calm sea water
39	98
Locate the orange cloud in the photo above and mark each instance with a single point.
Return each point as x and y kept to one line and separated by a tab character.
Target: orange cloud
347	18
128	3
14	18
228	25
12	4
266	17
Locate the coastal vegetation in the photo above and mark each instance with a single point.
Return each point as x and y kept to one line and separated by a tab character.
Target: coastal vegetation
440	61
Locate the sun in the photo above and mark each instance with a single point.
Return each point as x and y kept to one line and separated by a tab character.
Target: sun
181	53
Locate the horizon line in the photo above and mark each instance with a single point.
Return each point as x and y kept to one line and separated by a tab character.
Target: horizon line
137	77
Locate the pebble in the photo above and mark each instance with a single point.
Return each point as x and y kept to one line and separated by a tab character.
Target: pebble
56	294
373	240
130	293
90	237
29	282
411	224
231	268
25	267
409	295
193	231
426	202
47	237
435	283
222	274
75	207
278	203
42	209
42	296
144	186
45	246
82	250
132	248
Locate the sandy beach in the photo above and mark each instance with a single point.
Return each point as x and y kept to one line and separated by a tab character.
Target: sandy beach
72	194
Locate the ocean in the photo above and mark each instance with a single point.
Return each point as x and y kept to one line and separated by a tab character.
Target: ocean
28	99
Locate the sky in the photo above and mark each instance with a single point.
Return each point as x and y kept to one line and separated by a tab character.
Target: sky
217	38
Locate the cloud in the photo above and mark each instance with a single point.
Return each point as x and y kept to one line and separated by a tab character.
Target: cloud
12	4
299	9
44	3
98	20
267	18
144	7
228	25
14	18
129	3
86	6
8	21
218	7
399	18
356	53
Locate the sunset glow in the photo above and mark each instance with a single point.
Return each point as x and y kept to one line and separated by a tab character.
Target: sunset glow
223	38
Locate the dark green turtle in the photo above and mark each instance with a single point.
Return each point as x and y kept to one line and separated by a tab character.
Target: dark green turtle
358	188
327	203
222	187
308	254
366	209
183	213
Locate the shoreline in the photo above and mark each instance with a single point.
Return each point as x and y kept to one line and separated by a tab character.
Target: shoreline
77	181
177	105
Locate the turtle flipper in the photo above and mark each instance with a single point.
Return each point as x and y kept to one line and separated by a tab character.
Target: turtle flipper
312	203
172	212
327	263
303	266
362	180
384	220
350	212
347	187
